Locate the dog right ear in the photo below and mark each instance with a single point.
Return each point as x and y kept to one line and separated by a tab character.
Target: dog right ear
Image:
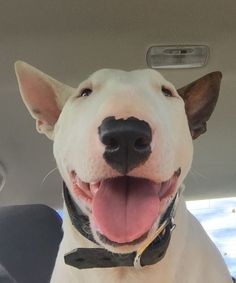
200	98
43	96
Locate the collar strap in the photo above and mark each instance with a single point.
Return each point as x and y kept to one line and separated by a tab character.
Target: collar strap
79	220
151	252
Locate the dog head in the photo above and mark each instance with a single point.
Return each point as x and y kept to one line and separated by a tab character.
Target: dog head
122	143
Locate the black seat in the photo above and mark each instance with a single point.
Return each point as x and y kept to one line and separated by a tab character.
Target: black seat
29	240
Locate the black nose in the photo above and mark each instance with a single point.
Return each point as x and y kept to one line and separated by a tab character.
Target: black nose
127	142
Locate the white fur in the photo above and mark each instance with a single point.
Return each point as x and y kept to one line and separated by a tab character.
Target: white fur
191	256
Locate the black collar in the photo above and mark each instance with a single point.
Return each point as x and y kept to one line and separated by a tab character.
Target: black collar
83	258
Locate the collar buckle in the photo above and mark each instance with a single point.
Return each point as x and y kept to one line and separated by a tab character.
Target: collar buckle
160	231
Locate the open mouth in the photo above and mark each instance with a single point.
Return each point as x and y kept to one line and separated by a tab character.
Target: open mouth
124	208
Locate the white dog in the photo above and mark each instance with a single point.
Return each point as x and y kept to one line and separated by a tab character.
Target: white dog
123	146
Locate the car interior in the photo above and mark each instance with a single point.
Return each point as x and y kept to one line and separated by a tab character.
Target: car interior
69	40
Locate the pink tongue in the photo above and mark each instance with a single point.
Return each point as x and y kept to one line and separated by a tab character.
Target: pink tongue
125	208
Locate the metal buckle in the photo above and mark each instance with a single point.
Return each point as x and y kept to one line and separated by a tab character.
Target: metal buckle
137	259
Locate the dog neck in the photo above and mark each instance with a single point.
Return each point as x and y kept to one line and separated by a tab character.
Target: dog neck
152	252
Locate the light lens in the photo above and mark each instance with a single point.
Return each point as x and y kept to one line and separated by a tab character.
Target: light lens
174	57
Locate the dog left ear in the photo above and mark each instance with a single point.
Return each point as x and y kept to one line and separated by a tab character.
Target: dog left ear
200	98
43	96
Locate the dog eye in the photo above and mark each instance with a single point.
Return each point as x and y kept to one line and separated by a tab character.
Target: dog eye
86	92
167	92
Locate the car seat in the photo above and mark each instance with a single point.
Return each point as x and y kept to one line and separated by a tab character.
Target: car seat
29	240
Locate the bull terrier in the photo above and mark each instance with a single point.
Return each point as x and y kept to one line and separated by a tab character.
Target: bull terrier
122	142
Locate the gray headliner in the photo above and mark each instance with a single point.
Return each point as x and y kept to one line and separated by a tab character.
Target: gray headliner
71	39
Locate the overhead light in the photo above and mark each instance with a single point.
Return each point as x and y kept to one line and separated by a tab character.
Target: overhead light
177	56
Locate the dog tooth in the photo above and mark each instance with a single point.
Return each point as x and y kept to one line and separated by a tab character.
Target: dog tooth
84	187
94	188
165	187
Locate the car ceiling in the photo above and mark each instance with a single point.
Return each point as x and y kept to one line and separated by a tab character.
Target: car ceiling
71	39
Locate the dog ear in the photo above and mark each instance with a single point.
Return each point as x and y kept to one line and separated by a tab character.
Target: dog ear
43	96
200	98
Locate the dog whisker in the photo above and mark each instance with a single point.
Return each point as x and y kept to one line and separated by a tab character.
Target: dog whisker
195	172
47	175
